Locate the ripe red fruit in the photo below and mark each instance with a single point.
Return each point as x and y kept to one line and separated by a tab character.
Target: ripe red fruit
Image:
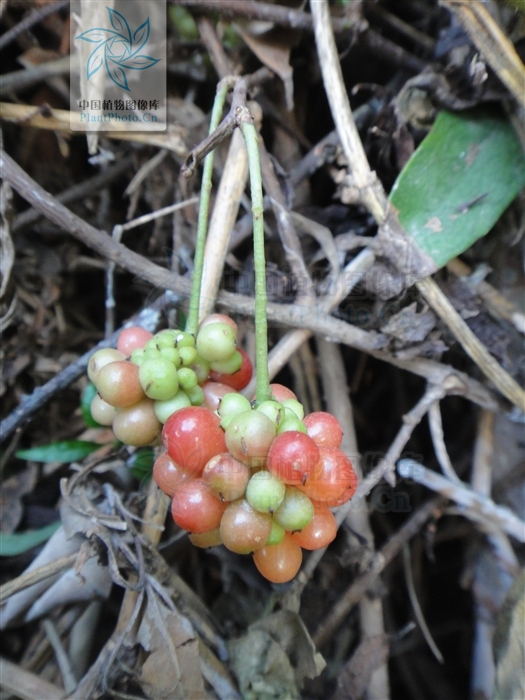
279	563
167	474
243	529
324	429
226	477
195	508
132	338
238	380
336	477
293	458
213	393
321	530
192	436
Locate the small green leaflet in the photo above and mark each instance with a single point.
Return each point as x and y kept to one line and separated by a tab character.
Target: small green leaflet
458	182
85	405
15	543
69	451
141	463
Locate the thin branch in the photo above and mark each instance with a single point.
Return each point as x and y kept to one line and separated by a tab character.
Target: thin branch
438	440
30	20
31	577
358	588
473	505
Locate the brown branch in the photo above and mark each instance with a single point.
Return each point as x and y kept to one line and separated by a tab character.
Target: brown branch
30	20
31	577
358	588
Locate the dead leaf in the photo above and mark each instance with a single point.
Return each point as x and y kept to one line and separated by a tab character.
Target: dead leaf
289	631
262	668
172	669
356	673
11	509
409	326
273	49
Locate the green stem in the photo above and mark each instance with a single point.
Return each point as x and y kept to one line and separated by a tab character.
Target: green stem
262	392
192	322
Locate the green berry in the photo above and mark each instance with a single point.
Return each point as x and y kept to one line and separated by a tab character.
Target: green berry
188	355
264	492
276	535
187	378
296	408
171	354
201	367
296	510
164	409
229	366
274	410
137	356
292	423
195	395
216	342
159	379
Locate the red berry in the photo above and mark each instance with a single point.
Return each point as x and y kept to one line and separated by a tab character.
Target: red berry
226	477
293	458
321	530
195	507
118	384
243	529
336	476
324	429
279	563
238	380
133	338
192	436
167	474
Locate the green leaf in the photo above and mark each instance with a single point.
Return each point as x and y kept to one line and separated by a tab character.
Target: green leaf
141	463
458	182
85	406
69	451
15	543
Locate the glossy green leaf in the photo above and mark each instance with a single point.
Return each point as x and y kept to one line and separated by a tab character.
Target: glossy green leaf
141	463
69	451
15	543
458	182
85	405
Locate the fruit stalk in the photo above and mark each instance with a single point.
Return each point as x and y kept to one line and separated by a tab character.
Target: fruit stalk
262	392
192	322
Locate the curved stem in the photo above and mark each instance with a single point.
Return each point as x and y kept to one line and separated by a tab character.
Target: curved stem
262	392
192	322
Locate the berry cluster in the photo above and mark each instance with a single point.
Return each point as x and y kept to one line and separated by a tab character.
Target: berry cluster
256	477
150	377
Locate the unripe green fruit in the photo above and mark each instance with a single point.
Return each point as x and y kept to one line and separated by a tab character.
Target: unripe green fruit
292	423
137	356
188	355
159	379
296	510
274	410
101	358
264	492
276	535
187	378
231	405
184	340
249	436
201	367
164	409
294	406
231	365
171	354
195	395
216	342
151	354
152	344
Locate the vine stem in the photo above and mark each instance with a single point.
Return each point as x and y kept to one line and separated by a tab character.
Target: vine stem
192	322
262	390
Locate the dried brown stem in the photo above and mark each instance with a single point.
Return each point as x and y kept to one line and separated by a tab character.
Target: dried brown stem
26	580
358	588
